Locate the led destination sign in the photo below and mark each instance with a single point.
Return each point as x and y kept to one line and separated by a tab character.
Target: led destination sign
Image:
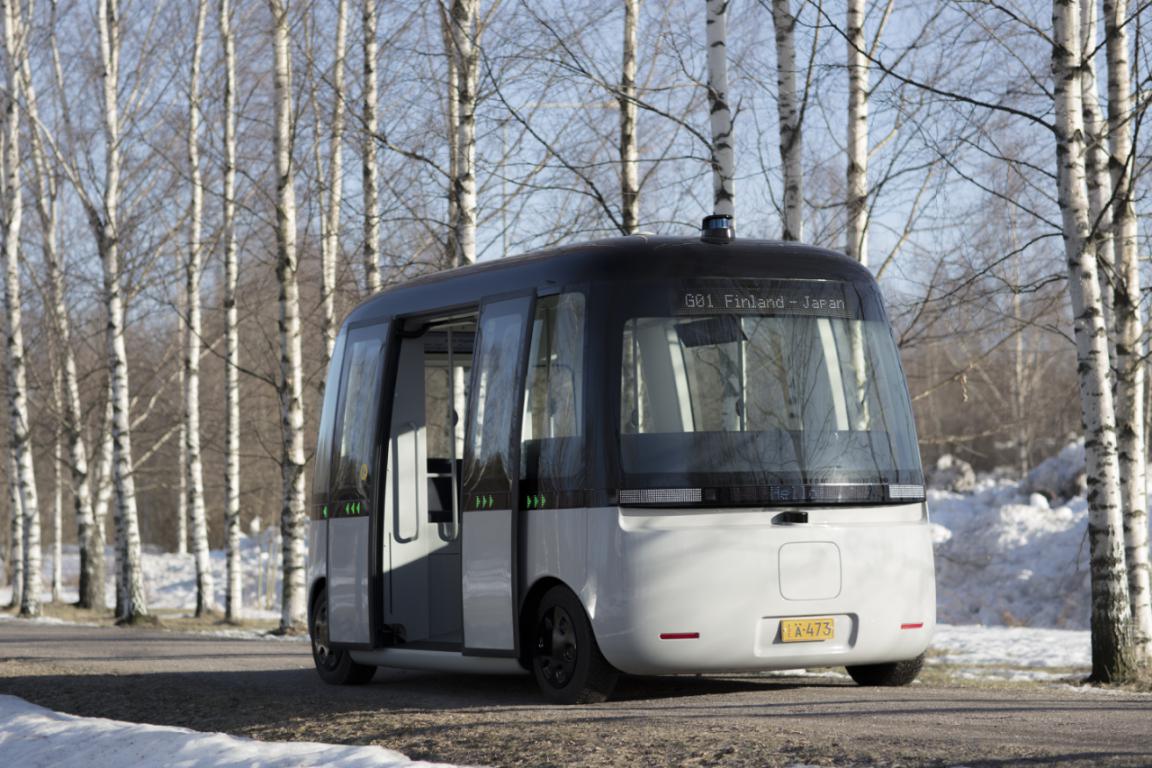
768	297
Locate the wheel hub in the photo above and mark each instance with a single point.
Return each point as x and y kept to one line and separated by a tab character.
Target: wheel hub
556	648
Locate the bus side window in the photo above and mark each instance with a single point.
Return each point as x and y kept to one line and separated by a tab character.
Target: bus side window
323	462
354	465
552	430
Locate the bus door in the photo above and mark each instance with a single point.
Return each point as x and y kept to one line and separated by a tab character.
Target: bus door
354	472
421	536
491	477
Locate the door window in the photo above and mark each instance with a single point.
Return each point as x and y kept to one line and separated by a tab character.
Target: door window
355	461
552	431
494	404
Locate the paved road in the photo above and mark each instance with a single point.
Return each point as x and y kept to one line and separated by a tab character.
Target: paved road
266	689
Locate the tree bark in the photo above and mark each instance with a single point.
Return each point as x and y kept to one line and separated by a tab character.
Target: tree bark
452	88
16	533
857	180
788	109
234	594
720	113
330	241
466	49
205	587
133	605
629	152
293	519
57	485
15	40
1112	651
1096	163
1130	376
370	167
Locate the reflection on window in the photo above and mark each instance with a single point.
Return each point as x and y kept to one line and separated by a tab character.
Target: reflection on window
746	373
552	431
773	398
355	462
488	467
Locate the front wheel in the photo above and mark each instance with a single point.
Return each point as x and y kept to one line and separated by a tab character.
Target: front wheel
566	661
335	666
889	675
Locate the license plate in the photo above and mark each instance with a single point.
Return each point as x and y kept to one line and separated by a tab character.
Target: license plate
815	630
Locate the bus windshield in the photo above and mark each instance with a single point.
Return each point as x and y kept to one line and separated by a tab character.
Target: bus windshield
767	391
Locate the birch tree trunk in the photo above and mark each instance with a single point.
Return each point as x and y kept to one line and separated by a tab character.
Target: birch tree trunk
205	588
1112	651
370	167
330	242
57	486
291	386
91	582
720	113
788	109
629	152
1130	381
15	40
133	605
1096	165
182	439
857	181
452	87
465	44
16	533
234	594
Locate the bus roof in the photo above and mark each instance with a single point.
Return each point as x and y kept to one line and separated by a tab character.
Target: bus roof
618	259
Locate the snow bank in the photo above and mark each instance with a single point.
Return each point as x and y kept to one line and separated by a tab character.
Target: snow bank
1005	558
31	737
170	579
1015	554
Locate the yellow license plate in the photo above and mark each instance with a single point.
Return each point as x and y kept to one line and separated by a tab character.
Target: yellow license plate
815	630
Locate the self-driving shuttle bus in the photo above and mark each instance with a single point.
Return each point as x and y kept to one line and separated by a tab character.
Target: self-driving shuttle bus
646	455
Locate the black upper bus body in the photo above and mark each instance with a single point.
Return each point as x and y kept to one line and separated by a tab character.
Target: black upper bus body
711	294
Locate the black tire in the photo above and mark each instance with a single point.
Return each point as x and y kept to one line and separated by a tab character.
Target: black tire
888	675
334	665
566	660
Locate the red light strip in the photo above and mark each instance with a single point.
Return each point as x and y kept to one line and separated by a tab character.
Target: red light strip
679	635
912	626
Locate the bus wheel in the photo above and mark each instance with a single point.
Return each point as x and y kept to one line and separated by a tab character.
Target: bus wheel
566	661
890	675
335	666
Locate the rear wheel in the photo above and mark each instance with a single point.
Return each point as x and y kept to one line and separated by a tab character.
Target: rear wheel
335	666
890	675
566	661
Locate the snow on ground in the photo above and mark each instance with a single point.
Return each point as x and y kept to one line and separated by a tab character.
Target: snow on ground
170	579
1010	555
34	737
1012	653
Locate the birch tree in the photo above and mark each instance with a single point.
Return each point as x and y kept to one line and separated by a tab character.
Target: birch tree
15	534
57	487
233	600
330	226
857	179
1130	382
789	112
1112	651
15	50
291	385
720	113
629	151
193	332
465	51
369	168
105	223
